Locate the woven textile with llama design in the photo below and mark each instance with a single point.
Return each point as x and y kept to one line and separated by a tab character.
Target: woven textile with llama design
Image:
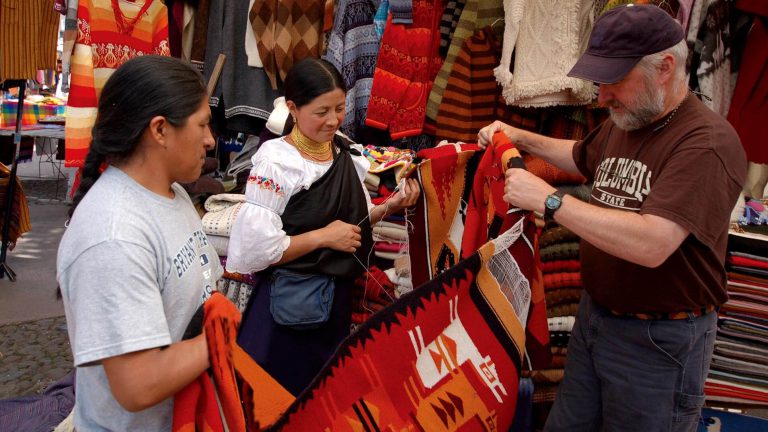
445	357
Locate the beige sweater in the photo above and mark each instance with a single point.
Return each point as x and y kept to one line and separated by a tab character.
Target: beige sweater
547	37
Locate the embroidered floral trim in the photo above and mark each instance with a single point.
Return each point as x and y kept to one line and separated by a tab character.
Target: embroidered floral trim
267	183
111	55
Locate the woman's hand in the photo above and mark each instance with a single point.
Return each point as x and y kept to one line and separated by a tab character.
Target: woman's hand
340	236
405	197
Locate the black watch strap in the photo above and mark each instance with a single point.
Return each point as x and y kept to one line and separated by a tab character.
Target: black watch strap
549	212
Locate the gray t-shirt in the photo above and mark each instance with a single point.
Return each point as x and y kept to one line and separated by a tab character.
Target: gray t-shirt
133	267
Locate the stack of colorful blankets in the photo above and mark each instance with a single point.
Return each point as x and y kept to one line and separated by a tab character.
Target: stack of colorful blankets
389	167
739	370
559	251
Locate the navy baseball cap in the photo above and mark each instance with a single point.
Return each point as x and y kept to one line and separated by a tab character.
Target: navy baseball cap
621	37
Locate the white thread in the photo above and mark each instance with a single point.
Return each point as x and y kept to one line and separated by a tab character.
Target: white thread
409	229
505	240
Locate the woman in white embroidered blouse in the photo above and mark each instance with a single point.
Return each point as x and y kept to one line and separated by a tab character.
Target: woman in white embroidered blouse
306	211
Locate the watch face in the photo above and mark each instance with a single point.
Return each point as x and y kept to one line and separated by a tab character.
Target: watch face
552	202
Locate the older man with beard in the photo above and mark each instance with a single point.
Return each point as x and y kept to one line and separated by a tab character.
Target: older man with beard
665	172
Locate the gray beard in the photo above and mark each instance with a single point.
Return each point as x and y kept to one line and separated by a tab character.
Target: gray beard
644	109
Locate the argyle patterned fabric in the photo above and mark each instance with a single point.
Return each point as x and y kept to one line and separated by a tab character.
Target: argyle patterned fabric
286	31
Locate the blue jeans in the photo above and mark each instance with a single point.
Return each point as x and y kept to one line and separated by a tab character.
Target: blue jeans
625	374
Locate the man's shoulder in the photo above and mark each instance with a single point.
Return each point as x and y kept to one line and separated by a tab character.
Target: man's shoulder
700	127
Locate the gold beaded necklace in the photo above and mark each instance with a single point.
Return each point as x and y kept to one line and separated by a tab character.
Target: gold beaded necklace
317	151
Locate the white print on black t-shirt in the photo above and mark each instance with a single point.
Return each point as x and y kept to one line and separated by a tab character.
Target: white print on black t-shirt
187	255
622	183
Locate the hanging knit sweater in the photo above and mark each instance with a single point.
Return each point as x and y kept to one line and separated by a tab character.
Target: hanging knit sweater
100	48
408	62
474	16
353	47
286	31
448	23
543	58
245	93
472	95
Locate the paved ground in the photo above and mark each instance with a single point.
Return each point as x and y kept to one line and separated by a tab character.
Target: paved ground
33	355
34	347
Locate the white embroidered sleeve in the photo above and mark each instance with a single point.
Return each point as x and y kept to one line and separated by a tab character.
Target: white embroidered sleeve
258	240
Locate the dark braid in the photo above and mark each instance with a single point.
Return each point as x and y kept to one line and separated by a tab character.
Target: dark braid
139	90
91	173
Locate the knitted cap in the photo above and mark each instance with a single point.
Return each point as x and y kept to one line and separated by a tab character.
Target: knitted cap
623	36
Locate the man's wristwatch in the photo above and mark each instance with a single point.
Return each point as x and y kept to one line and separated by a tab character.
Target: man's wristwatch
551	204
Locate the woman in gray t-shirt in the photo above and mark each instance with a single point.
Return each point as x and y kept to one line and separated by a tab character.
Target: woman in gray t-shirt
134	264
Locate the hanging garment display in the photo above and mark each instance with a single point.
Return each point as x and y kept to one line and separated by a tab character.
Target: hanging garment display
749	106
19	218
244	93
109	33
474	16
472	98
537	77
353	46
407	64
28	31
286	31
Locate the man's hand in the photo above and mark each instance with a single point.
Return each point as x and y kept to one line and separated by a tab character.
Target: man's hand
526	191
485	136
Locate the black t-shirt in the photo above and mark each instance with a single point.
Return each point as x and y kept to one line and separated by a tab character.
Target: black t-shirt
689	171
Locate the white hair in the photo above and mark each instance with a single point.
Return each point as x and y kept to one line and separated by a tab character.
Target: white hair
650	64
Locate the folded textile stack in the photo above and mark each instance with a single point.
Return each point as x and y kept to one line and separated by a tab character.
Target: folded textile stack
400	275
390	238
559	252
221	211
380	288
739	369
235	286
